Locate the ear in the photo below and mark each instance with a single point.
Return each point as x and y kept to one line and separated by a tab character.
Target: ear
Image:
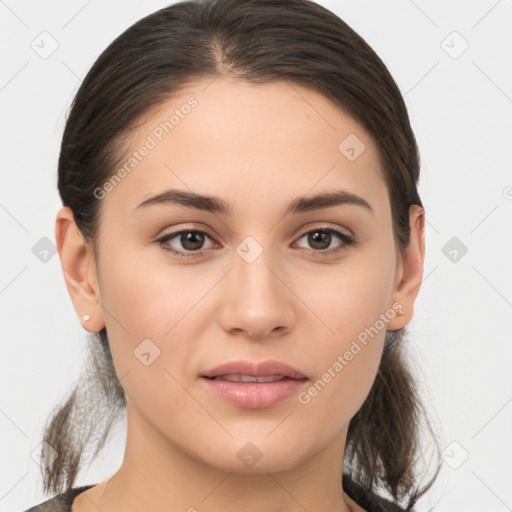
79	269
410	270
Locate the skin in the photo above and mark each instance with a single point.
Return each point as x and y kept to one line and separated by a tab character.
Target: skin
257	147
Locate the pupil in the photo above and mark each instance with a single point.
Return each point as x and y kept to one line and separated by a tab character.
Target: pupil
189	236
324	241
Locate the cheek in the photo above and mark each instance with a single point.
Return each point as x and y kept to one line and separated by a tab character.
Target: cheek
351	307
152	313
346	364
353	296
338	393
146	296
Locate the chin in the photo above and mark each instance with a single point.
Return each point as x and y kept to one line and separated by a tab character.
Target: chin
252	458
261	467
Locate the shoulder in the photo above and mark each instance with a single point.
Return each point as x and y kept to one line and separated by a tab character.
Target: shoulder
370	502
61	502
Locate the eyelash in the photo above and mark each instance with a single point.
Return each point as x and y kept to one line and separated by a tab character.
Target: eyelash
346	239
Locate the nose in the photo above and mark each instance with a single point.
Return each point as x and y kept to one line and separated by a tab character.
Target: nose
257	300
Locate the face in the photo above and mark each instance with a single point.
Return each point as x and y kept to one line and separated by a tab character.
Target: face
311	286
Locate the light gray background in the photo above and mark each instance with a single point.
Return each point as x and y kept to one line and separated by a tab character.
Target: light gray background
460	106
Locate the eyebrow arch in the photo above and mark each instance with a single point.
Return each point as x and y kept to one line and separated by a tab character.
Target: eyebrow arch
217	205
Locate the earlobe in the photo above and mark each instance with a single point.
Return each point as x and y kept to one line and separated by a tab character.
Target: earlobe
79	270
410	277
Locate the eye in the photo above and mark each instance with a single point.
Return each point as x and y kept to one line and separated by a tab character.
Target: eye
320	239
192	241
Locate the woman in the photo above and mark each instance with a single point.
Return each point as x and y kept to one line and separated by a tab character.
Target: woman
242	234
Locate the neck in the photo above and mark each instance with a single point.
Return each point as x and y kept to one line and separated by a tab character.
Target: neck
157	475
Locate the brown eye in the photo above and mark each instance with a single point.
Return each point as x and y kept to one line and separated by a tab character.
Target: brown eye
191	242
320	239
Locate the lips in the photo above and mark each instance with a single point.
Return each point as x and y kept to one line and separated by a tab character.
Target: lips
254	385
250	371
238	377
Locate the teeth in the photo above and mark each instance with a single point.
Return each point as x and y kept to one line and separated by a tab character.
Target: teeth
238	377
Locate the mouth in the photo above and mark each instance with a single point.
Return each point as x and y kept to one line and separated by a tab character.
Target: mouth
251	369
239	377
254	385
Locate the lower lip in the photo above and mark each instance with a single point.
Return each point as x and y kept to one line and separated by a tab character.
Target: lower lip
254	395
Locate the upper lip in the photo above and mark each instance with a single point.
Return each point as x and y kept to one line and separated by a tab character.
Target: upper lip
257	369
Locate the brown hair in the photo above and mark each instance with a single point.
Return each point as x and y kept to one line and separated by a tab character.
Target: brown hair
258	41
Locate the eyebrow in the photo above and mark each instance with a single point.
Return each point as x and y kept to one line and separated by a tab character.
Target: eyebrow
217	205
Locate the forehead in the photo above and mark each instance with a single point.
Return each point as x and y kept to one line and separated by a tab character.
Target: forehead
262	143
